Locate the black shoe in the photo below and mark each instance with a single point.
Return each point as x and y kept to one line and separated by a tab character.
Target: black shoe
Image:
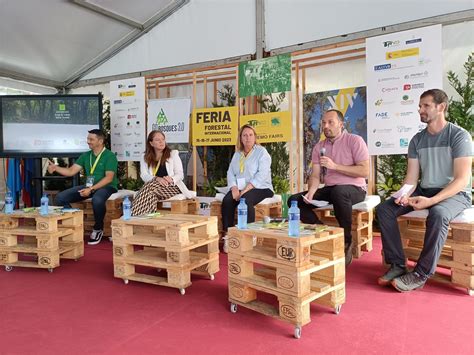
409	282
95	237
392	273
348	252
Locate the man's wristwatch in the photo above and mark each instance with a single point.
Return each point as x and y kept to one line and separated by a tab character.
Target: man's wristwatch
92	190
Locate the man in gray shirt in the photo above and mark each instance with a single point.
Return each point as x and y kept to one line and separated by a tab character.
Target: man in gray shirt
442	155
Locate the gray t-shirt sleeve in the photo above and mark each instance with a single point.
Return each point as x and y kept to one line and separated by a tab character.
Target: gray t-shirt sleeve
462	144
411	148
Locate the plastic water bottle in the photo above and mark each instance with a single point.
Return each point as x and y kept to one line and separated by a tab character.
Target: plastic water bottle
8	203
242	214
44	205
127	208
294	220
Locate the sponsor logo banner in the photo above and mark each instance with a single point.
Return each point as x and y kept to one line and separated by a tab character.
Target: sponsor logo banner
270	127
215	126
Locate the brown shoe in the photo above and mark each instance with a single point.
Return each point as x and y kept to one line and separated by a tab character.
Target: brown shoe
348	252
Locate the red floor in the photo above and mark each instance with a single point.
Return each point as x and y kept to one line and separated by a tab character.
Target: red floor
82	308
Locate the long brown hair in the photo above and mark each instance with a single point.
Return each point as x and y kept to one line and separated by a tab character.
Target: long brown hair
150	158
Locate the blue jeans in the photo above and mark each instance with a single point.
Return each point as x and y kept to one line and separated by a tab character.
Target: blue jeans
99	199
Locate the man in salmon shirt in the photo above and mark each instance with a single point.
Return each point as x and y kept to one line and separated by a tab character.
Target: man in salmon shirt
341	163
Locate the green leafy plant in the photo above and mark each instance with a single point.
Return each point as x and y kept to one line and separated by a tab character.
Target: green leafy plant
280	185
209	187
391	171
461	112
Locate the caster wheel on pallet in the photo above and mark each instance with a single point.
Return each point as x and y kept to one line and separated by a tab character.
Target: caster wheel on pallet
182	291
233	308
211	277
297	333
8	268
50	269
125	281
337	310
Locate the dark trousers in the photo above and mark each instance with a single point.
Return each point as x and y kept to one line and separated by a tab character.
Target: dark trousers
437	225
99	199
252	198
342	197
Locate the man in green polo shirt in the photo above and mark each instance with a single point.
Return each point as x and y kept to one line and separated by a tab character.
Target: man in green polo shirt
100	167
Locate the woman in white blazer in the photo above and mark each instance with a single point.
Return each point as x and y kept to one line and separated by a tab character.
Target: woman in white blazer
162	171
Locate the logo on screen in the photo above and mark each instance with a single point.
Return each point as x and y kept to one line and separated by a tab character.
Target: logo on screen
161	118
62	107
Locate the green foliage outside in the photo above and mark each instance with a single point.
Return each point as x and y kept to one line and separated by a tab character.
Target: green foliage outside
461	112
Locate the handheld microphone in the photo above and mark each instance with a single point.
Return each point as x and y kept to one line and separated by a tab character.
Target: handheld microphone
322	153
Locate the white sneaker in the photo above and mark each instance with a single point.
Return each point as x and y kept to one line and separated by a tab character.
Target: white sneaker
225	248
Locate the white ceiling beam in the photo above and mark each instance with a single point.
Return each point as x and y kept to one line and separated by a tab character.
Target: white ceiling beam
108	13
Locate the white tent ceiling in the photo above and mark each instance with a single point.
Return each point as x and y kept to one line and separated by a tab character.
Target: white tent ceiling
53	42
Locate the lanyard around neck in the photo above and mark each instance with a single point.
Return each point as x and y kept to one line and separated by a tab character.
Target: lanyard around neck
96	160
156	167
242	160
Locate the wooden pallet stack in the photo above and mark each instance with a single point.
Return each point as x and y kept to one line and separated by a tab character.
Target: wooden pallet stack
28	239
187	206
362	222
297	271
272	210
457	254
114	211
179	244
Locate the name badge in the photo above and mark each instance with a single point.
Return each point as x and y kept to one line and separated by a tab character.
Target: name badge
241	183
90	181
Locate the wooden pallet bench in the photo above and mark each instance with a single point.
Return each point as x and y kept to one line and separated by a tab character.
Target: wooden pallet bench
28	239
270	207
182	206
457	255
362	223
179	244
297	271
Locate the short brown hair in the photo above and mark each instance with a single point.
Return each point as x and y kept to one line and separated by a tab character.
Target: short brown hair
439	97
340	116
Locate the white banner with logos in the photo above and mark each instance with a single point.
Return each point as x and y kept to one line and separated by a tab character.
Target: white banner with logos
171	116
400	67
127	118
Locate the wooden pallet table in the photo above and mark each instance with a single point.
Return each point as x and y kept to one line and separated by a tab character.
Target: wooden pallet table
28	239
457	255
297	271
180	244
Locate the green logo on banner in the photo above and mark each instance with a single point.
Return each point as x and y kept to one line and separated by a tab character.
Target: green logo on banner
62	107
161	118
276	121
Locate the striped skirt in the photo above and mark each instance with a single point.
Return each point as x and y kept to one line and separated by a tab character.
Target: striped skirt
147	198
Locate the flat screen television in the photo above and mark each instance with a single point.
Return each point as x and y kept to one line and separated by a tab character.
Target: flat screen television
47	125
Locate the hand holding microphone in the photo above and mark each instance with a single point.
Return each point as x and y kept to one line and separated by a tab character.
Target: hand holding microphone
322	153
